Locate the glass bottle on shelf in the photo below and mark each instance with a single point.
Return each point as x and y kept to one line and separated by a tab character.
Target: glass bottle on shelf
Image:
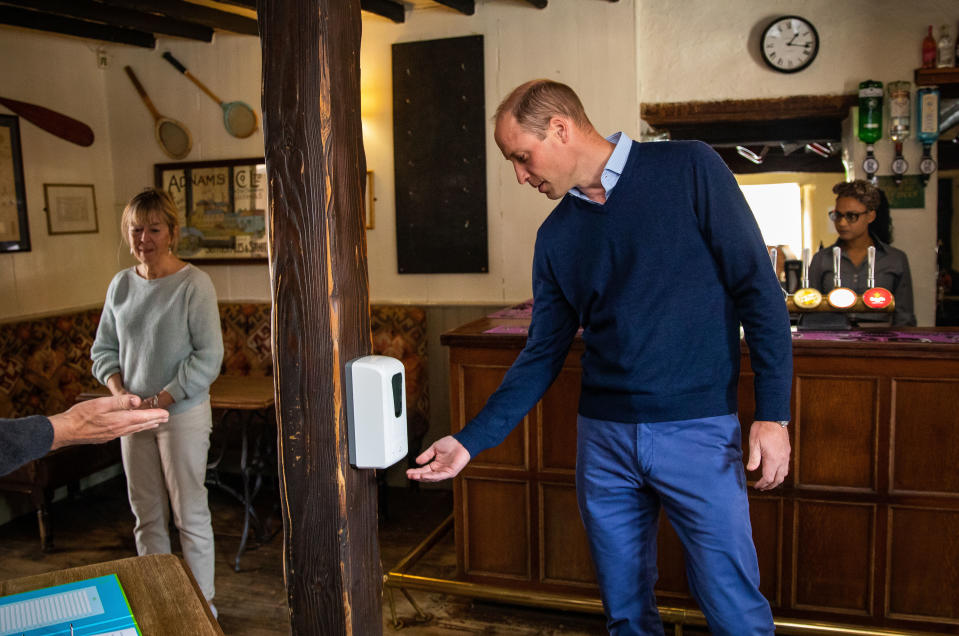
929	50
899	113
870	123
946	52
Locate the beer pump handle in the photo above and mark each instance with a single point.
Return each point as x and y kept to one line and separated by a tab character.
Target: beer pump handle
806	253
773	257
836	261
871	256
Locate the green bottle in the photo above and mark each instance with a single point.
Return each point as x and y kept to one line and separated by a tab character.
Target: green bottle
870	111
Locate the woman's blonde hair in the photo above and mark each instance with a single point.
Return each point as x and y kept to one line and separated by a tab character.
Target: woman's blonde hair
149	205
534	103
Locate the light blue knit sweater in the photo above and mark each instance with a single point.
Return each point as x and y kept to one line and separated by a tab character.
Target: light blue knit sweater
161	334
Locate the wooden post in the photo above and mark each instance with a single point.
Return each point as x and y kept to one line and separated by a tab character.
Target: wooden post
321	318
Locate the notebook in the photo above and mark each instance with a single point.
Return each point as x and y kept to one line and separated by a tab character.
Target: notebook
93	607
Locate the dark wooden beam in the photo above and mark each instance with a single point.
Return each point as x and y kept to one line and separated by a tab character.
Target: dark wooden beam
467	7
666	114
118	17
246	4
385	8
190	12
321	317
539	4
68	26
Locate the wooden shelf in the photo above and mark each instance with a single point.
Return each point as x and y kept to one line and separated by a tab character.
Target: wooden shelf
947	79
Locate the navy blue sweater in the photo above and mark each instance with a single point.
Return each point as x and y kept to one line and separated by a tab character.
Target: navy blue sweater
660	278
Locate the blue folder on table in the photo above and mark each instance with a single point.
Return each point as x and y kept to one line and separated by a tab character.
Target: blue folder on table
94	607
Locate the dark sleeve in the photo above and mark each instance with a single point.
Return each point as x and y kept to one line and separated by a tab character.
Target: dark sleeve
904	314
733	236
551	332
22	440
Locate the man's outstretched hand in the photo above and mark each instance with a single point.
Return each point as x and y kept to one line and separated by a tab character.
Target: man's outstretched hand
100	420
444	459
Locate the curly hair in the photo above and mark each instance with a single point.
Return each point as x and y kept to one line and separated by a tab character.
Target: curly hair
534	103
860	190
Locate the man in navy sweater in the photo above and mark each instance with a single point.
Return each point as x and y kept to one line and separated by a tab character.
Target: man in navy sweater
654	252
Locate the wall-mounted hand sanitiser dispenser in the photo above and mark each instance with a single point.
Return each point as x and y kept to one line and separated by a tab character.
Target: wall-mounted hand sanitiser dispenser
376	411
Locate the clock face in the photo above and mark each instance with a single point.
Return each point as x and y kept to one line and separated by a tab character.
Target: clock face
789	44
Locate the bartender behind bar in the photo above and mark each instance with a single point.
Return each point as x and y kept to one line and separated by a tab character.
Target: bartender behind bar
862	219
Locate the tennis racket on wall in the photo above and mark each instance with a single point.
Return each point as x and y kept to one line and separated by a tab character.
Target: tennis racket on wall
51	121
173	137
238	118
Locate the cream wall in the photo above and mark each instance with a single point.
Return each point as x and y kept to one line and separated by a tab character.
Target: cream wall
706	50
60	271
592	50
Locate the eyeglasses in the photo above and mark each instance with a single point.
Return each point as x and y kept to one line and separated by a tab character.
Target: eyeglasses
851	217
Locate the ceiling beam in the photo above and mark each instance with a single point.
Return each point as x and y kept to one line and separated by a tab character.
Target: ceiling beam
79	28
467	7
246	4
385	8
118	17
223	20
541	4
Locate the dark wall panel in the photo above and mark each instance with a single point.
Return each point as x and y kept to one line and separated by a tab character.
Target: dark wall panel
439	154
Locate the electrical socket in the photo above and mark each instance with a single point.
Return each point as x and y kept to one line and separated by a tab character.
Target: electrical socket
103	60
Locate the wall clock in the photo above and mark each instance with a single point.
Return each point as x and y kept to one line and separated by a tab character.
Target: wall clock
789	44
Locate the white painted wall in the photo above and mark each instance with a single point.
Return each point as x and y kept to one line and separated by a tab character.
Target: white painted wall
60	271
593	51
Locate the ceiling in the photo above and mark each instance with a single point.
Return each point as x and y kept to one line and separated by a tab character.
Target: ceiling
141	22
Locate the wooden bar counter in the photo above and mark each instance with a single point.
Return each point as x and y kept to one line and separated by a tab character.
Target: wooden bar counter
865	530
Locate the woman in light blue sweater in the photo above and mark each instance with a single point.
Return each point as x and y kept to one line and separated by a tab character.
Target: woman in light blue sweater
159	338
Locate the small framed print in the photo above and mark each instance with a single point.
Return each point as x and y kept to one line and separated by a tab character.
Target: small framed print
71	208
14	230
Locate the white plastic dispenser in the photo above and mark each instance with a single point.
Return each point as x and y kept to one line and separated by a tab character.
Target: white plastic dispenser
376	411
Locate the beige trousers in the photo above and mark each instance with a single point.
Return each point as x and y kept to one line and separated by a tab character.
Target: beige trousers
165	469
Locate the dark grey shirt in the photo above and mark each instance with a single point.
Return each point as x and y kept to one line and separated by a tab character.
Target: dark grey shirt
22	440
892	272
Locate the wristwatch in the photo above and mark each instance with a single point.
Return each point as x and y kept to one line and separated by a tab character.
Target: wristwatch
783	423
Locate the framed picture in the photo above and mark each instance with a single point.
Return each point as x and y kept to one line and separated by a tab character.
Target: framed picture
14	231
71	208
222	207
368	200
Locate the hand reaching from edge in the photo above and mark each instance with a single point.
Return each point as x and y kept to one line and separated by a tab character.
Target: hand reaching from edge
444	459
100	420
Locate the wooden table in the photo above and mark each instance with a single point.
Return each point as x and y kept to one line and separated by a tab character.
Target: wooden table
163	595
249	399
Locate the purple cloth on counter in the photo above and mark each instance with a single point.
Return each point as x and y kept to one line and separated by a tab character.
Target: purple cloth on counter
841	336
522	310
879	336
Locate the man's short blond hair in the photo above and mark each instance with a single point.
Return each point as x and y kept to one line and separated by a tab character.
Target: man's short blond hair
534	103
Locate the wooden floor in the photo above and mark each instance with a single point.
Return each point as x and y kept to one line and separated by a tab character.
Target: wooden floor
97	526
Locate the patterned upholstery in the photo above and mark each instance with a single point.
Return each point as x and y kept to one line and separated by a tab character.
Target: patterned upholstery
45	362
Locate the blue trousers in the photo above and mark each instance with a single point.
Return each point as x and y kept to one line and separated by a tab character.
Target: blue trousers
693	470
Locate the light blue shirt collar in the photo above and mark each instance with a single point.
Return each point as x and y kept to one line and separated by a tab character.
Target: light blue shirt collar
614	166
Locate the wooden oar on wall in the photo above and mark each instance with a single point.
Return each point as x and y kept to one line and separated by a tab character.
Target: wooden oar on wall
51	121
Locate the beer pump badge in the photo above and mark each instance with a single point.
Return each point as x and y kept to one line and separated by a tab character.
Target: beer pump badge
877	298
807	298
